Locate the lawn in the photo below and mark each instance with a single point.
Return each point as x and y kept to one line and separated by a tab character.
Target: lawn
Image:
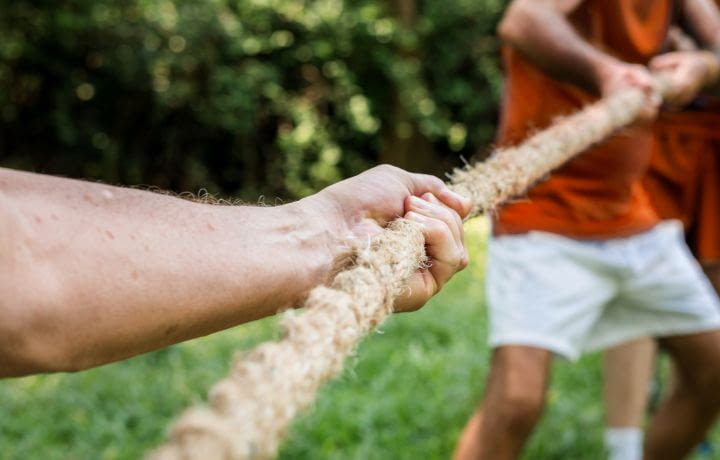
406	395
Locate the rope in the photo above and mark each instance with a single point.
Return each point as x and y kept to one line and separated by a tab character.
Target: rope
250	410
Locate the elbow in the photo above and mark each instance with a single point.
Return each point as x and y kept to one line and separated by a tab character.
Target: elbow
507	30
24	352
20	352
31	343
516	22
33	309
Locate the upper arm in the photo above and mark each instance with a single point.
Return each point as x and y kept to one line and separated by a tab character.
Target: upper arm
567	6
564	7
521	12
703	17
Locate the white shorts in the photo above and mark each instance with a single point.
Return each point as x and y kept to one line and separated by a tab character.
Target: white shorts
570	296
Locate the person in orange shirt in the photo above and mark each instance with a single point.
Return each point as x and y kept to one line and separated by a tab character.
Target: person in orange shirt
683	183
585	262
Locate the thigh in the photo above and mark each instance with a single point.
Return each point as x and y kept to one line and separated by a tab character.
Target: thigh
627	373
696	357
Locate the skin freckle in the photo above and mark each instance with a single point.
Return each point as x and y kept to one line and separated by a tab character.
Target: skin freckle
135	275
109	234
38	219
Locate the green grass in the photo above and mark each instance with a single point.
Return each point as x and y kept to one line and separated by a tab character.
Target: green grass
406	395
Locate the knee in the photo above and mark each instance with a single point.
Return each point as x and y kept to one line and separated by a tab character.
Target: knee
516	388
704	386
518	409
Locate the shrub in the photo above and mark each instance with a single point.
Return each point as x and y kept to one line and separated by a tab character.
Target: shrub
244	97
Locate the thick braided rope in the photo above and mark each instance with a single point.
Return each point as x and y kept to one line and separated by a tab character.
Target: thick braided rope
251	409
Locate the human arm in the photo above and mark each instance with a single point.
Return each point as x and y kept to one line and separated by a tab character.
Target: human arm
689	71
93	273
703	18
541	31
678	40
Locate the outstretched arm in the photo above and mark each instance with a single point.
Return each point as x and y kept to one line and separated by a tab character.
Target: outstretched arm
93	273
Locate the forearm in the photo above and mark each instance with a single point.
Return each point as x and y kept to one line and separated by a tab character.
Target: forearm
703	17
541	31
712	69
93	273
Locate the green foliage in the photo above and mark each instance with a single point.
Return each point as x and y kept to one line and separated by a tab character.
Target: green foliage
239	96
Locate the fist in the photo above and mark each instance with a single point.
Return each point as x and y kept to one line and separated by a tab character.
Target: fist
618	76
686	73
363	205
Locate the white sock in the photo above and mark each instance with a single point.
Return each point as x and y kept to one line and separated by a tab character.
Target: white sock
624	443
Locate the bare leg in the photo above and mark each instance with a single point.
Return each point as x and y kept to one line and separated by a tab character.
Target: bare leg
514	400
468	446
627	369
694	401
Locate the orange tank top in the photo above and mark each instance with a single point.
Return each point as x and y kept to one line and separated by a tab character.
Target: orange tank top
597	194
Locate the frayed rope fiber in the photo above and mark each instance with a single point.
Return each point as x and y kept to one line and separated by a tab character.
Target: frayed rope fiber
250	410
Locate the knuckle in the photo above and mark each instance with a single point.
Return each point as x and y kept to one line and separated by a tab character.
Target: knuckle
436	181
442	211
432	182
436	230
464	259
441	228
445	235
386	168
456	218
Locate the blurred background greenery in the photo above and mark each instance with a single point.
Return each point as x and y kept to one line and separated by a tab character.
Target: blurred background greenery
245	97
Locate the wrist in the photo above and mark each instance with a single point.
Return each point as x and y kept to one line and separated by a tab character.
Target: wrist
604	68
318	230
711	63
287	249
